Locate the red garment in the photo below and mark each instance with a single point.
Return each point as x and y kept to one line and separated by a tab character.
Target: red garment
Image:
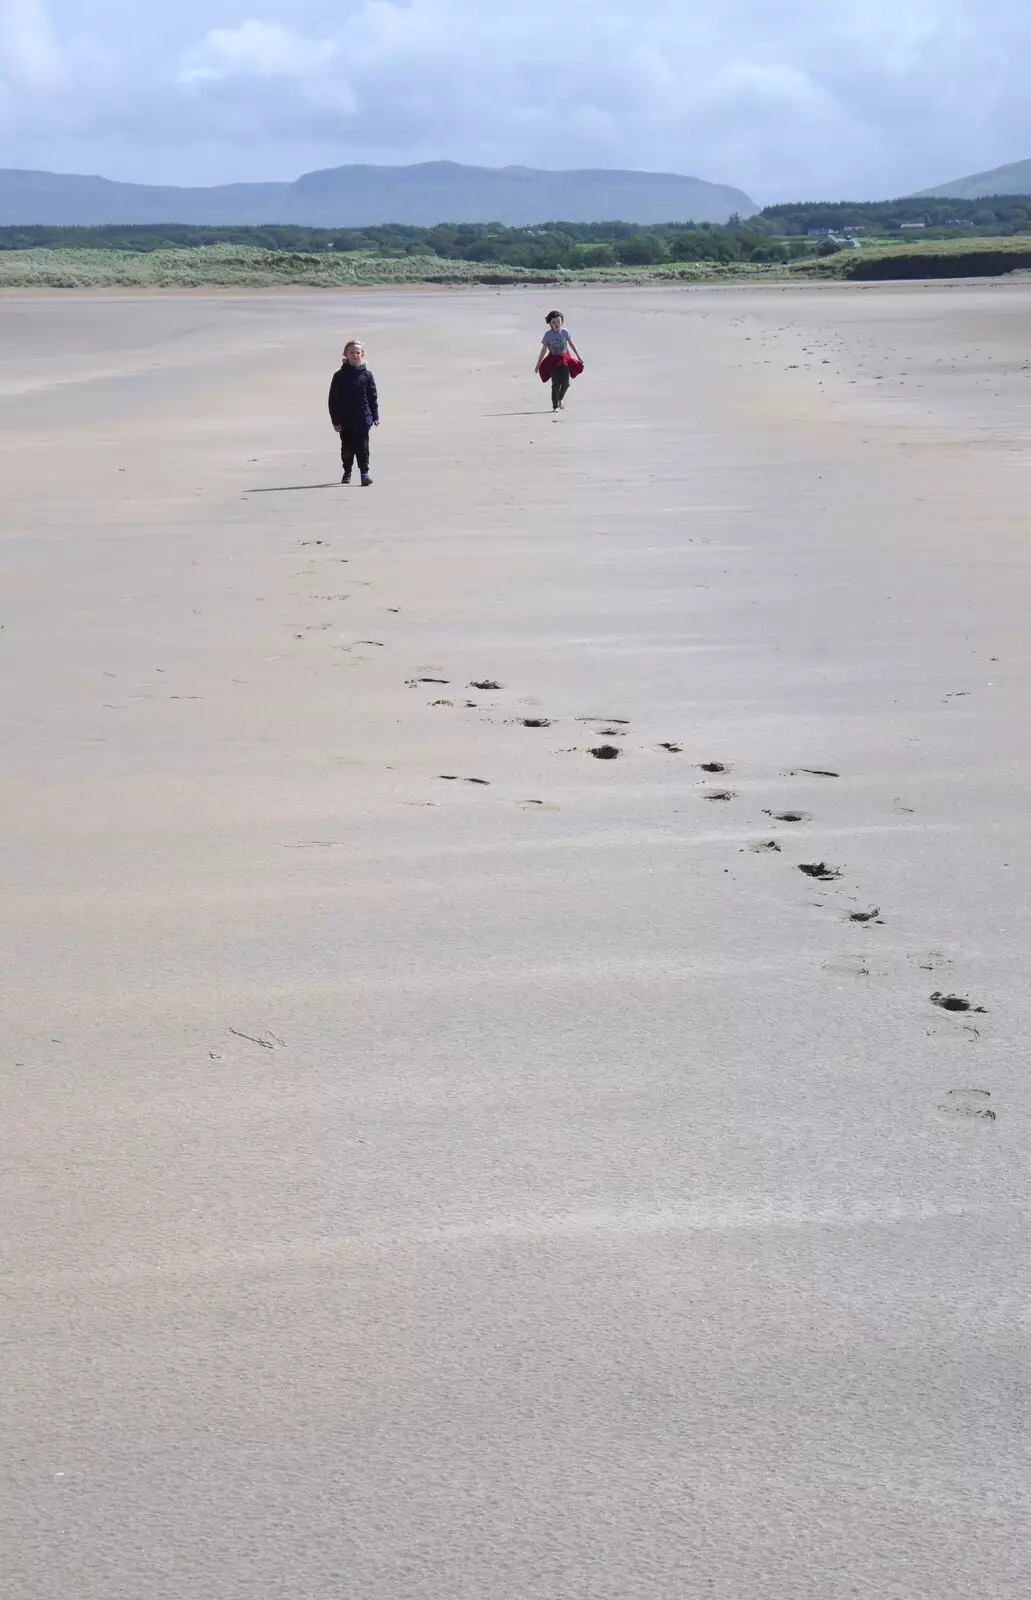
549	364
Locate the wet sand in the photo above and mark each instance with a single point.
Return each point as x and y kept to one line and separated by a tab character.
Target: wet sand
444	1163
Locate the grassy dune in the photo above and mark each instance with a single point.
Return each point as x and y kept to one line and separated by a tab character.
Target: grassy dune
939	258
241	266
247	266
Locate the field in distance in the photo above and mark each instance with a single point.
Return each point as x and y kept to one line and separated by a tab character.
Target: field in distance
247	266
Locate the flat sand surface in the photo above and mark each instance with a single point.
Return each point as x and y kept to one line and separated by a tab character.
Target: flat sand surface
445	1165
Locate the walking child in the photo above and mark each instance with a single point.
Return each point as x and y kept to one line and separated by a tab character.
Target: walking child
555	361
354	409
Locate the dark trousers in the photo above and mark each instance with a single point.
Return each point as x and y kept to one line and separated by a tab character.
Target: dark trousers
355	442
561	378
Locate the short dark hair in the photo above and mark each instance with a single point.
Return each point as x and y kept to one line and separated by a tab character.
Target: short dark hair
553	314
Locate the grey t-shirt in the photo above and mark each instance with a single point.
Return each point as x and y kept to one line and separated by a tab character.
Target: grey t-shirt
556	343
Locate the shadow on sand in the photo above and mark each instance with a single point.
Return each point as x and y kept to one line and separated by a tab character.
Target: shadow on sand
290	488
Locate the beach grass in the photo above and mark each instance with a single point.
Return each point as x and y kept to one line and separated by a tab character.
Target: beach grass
248	266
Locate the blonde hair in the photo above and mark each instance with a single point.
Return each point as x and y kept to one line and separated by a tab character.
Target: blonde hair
353	344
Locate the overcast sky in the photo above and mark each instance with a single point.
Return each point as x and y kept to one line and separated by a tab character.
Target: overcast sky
786	98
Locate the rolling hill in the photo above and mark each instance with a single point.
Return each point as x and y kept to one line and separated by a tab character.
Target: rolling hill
357	196
1012	179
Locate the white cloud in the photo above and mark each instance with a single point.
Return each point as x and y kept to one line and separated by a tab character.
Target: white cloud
257	50
30	56
784	97
247	63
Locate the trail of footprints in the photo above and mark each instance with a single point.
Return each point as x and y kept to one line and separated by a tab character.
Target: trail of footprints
961	1103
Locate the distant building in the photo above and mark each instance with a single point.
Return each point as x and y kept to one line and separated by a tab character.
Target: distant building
836	238
913	225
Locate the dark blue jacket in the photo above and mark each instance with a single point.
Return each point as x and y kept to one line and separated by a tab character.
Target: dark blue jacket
353	401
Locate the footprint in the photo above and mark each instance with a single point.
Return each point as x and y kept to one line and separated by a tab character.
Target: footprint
674	749
713	766
820	870
931	961
536	722
815	772
413	683
955	1002
968	1103
865	916
789	816
604	752
621	722
720	794
453	777
952	1029
486	683
761	846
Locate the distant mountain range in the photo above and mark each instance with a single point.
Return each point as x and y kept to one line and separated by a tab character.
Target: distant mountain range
355	197
1014	179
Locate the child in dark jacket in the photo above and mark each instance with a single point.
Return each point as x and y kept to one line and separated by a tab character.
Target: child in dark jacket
354	409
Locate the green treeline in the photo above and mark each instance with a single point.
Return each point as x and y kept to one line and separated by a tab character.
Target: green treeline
998	216
779	233
569	245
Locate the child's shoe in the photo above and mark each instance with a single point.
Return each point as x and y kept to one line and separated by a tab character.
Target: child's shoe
366	481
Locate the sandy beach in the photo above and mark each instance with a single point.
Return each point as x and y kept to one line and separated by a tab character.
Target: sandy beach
444	1164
